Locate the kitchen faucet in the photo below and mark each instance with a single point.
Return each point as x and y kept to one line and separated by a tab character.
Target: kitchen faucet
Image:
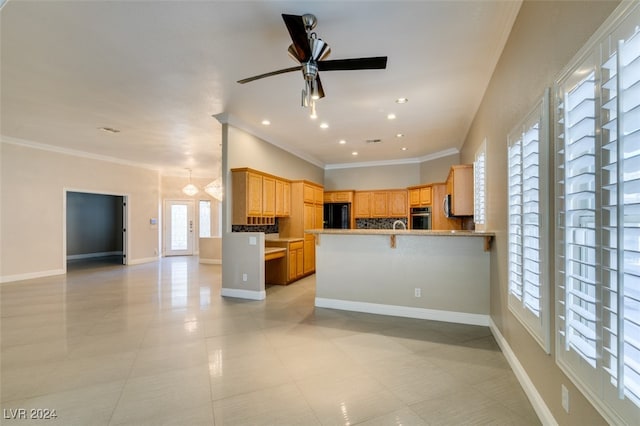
399	222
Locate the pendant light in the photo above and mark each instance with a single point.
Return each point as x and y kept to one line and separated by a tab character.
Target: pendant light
190	189
214	189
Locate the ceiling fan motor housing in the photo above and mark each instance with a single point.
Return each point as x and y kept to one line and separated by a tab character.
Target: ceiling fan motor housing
310	70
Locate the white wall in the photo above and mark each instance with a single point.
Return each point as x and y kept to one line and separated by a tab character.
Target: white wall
33	196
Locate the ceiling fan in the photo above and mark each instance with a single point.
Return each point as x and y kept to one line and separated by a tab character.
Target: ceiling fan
310	52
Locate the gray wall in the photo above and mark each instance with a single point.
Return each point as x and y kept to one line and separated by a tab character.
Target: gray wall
94	223
544	38
373	177
437	170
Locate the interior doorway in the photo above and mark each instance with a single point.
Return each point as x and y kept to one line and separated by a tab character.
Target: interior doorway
95	231
178	232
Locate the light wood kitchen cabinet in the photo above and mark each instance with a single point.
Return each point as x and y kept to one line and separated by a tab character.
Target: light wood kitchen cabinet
338	196
439	220
380	204
296	260
289	268
268	196
258	197
397	203
306	213
420	196
247	198
362	204
460	187
283	198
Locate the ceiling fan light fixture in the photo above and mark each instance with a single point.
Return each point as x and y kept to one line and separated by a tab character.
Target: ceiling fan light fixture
315	93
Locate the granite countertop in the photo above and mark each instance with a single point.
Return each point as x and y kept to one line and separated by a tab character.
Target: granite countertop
283	240
412	232
271	250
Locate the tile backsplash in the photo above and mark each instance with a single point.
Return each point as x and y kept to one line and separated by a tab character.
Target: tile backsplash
380	223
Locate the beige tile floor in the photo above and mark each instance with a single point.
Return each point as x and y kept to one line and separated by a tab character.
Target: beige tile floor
156	344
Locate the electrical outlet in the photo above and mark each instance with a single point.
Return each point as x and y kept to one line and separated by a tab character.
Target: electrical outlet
417	292
565	398
244	277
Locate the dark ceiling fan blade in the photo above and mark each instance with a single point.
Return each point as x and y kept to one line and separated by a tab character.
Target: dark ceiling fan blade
298	33
269	74
374	63
320	89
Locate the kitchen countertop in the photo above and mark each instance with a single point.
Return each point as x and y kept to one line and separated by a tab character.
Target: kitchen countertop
420	232
283	240
393	233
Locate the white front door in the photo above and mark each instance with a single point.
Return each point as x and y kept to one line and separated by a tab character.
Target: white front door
178	228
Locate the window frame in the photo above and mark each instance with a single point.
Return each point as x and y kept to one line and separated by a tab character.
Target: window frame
480	187
538	326
592	377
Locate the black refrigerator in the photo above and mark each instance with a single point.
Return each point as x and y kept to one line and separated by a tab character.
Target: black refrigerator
337	215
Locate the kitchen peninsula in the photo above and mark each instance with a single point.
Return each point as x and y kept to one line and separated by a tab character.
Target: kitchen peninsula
437	275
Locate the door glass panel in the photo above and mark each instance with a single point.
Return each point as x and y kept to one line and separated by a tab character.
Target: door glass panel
179	227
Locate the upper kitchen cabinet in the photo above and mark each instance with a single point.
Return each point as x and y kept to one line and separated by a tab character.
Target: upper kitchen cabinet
380	204
362	204
283	198
420	196
338	196
258	197
397	203
460	190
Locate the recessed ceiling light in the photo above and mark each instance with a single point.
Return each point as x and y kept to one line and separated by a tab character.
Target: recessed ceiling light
324	126
402	100
404	148
399	135
342	141
391	116
109	129
266	122
354	153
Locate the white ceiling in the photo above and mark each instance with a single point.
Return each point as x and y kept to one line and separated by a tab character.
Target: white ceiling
159	70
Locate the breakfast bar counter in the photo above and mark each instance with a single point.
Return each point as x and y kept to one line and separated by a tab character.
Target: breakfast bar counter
438	275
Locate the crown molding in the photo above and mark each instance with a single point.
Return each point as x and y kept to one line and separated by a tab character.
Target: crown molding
413	160
226	118
75	153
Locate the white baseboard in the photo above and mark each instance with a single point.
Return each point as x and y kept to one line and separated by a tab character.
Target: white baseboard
211	261
142	260
543	412
404	311
31	275
243	294
93	255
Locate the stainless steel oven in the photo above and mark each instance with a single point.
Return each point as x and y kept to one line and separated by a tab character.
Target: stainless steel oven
421	218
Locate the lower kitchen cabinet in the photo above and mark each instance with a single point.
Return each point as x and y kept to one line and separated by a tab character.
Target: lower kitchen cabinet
287	269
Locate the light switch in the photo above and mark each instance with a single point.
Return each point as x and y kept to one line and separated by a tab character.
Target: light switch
153	221
253	241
